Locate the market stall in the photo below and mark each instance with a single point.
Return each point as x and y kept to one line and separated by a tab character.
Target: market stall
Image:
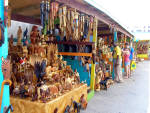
142	48
55	62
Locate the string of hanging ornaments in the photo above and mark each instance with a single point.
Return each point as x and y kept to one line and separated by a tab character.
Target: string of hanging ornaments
48	11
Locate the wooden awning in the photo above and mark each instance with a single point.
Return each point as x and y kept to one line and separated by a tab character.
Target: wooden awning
29	11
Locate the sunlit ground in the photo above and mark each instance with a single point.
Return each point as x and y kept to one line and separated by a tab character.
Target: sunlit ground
132	96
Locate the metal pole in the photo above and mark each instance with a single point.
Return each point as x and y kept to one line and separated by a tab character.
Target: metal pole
115	40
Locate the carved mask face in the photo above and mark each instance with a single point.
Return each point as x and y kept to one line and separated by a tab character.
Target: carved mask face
6	68
1	33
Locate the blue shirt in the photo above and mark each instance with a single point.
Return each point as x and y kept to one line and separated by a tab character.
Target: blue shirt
131	53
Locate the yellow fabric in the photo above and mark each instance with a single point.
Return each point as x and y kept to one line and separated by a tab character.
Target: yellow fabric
133	65
117	51
27	106
142	55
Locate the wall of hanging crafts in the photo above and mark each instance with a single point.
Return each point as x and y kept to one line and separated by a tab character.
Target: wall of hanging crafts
49	11
4	23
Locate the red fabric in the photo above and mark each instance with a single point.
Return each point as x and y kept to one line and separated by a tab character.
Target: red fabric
126	56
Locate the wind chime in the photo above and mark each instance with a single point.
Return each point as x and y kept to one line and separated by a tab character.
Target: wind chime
48	13
53	13
81	25
76	16
90	28
62	17
86	27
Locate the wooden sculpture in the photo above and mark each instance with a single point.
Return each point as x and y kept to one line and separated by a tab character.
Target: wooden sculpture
19	36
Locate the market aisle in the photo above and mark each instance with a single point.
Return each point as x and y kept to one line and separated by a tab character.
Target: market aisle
128	97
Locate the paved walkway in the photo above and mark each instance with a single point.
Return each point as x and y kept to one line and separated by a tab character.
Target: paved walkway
128	97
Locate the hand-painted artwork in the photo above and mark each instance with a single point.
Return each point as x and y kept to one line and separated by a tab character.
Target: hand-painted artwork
6	68
1	32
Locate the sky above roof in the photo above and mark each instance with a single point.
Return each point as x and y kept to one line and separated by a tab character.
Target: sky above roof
128	12
131	14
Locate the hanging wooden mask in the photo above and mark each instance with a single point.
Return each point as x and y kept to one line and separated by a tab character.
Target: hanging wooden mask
6	68
1	32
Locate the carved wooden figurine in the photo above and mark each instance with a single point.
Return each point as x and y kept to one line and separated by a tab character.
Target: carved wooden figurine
19	34
6	68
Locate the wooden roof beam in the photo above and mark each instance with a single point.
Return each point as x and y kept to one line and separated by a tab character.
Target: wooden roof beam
28	8
25	19
85	9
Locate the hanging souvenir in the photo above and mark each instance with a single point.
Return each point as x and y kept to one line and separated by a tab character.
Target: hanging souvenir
82	23
42	13
86	27
6	12
9	16
54	10
47	15
1	32
64	8
19	34
76	25
60	19
90	28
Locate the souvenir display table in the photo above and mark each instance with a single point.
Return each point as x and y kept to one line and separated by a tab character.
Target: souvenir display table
27	106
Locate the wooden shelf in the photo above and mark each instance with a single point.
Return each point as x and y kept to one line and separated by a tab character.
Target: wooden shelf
75	54
71	42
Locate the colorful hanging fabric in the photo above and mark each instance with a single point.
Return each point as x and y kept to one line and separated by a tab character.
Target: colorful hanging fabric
86	27
42	4
6	12
1	32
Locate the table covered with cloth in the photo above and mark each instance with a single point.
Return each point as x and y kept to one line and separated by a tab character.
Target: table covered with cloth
27	106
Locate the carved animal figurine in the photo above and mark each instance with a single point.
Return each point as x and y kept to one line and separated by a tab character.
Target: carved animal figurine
67	109
11	42
60	88
31	90
53	90
16	91
83	102
19	36
77	77
104	83
6	68
56	110
42	92
23	91
34	35
77	107
40	69
28	74
68	84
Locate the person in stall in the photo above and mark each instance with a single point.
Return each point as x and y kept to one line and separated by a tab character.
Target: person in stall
131	56
117	63
126	54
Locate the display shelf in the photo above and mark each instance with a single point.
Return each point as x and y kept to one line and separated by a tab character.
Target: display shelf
71	42
75	54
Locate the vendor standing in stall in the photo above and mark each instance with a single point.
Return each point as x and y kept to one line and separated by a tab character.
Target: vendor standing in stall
131	56
117	63
126	54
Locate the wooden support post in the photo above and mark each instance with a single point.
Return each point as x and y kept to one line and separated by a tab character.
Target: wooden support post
115	40
4	53
92	82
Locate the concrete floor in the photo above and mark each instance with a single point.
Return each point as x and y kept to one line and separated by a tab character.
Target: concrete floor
128	97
